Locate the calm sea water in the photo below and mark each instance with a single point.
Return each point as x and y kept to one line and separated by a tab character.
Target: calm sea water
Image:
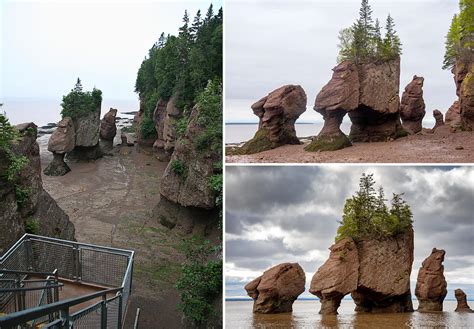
305	315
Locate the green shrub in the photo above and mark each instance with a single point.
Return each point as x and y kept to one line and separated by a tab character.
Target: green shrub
8	136
201	281
179	168
78	103
147	128
32	226
21	195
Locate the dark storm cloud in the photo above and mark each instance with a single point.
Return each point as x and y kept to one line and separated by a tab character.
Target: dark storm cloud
271	43
301	225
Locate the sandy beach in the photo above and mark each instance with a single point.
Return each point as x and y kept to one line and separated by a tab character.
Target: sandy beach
441	147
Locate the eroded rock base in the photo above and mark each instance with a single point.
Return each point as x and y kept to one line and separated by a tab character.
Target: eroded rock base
84	153
367	303
57	167
430	306
371	126
330	305
328	143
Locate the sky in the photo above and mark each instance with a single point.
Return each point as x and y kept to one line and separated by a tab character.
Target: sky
277	42
46	45
289	214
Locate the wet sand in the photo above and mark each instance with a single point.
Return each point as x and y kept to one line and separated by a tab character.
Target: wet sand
443	147
110	201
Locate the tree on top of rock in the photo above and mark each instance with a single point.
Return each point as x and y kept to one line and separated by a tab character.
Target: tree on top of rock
366	214
79	103
460	38
363	40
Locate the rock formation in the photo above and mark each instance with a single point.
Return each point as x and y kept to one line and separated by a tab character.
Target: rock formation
173	114
277	289
438	116
87	129
62	140
453	116
339	96
462	302
108	129
431	284
34	203
337	277
159	116
464	78
412	107
277	113
375	271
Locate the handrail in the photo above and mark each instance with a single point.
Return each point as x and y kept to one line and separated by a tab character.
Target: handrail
25	272
10	320
59	285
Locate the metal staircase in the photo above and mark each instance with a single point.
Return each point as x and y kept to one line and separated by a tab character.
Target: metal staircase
52	283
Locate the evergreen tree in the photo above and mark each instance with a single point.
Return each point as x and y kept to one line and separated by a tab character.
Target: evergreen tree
209	13
378	38
78	86
162	40
197	23
391	43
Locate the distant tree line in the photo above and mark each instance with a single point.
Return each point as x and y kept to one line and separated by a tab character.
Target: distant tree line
363	41
460	37
366	214
181	65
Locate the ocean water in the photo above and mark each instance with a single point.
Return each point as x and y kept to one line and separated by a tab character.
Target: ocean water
238	314
44	111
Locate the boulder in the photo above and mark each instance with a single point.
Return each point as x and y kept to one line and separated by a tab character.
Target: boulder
438	116
431	284
126	139
339	96
453	116
35	204
159	115
57	167
186	178
63	139
462	302
108	129
277	289
277	113
173	114
412	107
384	274
87	129
337	277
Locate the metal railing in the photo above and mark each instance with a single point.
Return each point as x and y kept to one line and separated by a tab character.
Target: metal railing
81	263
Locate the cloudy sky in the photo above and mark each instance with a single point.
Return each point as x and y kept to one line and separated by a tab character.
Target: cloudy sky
270	43
46	45
289	214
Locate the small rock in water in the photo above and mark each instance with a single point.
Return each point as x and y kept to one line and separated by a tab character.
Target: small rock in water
459	148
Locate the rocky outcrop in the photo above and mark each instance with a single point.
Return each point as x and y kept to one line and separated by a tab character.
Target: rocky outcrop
87	130
438	116
462	302
186	178
277	113
339	96
159	115
464	78
412	107
173	114
24	200
337	277
453	116
384	274
277	289
376	272
431	284
62	140
377	117
108	129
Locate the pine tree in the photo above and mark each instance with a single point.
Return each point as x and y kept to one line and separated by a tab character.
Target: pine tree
391	43
197	23
78	86
209	13
378	38
161	40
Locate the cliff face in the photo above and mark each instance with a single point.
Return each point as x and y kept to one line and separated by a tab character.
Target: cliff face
34	205
376	272
464	79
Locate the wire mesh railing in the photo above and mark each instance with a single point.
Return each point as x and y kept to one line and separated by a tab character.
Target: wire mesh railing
82	263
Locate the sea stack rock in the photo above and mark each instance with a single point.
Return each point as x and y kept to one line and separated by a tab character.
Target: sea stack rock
62	141
464	78
462	302
337	277
377	116
87	129
438	116
384	274
277	289
453	116
431	284
277	113
173	114
339	96
159	115
108	129
412	107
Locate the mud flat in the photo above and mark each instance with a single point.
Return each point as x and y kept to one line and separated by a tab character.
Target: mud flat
425	148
